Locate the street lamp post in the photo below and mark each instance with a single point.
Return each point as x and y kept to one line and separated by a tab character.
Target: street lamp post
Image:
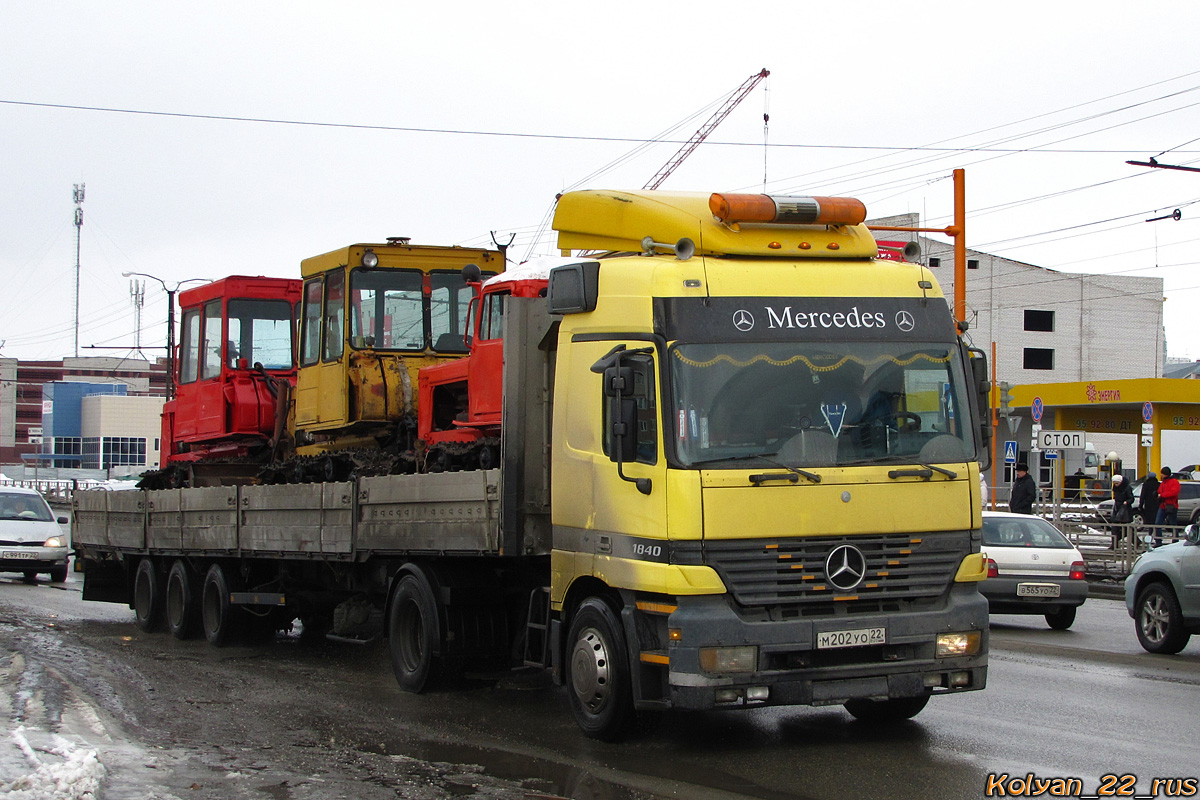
170	321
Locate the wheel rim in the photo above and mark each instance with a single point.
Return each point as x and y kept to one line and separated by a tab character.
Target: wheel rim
590	676
1155	618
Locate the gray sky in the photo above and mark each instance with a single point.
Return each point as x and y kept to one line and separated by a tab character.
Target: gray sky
1063	93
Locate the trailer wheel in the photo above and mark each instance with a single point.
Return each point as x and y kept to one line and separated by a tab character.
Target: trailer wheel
601	686
182	605
147	596
218	614
413	627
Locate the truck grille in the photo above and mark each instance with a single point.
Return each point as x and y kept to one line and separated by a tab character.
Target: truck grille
901	569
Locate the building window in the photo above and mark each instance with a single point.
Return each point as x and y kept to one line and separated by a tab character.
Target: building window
934	262
1039	321
972	263
1039	358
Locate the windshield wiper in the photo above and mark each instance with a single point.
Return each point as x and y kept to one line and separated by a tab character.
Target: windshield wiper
757	479
926	471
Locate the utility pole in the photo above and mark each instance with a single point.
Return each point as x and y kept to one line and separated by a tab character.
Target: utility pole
137	295
79	187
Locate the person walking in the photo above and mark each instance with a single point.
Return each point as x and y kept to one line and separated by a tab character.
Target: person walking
1148	506
1122	512
1024	491
1168	505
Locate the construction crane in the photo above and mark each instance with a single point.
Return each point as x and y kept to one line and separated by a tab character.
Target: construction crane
708	127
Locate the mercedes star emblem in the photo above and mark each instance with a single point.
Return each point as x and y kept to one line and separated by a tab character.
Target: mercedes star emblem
845	567
743	320
905	321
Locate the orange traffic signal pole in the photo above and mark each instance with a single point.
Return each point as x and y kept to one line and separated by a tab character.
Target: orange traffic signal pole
957	231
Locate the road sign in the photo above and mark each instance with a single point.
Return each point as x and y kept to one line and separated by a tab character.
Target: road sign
1147	429
1147	411
1036	408
1010	452
1060	440
1050	455
1147	441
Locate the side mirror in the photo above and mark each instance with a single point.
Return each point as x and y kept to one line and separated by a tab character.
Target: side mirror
983	387
65	521
1191	534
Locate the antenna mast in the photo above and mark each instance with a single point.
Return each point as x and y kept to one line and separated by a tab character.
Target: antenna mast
137	295
79	187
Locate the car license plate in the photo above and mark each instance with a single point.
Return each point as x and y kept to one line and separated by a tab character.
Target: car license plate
854	638
17	554
1038	590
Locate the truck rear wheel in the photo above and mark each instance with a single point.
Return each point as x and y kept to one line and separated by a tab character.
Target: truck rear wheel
220	616
182	604
601	687
412	628
147	596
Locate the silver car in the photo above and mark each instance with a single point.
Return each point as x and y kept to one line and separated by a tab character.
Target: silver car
1189	504
1162	594
30	538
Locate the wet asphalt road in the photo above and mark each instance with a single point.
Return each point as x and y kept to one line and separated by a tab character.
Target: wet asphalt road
288	721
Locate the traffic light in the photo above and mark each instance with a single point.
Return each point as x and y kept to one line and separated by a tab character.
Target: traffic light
1005	397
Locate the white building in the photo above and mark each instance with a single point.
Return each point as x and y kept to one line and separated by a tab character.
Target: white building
1050	326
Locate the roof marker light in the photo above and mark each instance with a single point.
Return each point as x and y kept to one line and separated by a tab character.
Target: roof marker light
733	208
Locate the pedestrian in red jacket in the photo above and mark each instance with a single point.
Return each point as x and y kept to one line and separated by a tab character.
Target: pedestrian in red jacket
1168	504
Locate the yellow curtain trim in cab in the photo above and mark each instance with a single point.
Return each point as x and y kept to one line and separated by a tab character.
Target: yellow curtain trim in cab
814	367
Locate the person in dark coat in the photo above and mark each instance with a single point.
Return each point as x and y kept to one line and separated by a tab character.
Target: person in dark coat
1024	491
1148	507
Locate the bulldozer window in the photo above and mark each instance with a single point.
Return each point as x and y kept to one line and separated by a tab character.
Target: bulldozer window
449	299
310	349
189	346
491	326
260	331
335	309
210	363
387	309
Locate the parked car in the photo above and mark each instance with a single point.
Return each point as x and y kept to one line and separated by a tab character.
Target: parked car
1189	504
1162	594
30	538
1032	569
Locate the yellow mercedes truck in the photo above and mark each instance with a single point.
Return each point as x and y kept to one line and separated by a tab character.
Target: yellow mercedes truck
766	455
738	466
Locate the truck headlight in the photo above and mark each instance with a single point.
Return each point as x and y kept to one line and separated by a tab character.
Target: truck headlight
950	645
729	659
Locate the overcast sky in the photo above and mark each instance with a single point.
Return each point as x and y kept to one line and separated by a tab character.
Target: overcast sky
444	122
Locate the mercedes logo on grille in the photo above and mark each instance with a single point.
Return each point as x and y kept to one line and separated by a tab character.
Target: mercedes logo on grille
743	320
845	567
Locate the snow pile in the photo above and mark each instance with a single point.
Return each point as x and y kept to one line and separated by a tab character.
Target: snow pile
73	774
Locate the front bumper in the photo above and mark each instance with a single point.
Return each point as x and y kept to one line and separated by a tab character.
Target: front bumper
791	670
1002	595
14	558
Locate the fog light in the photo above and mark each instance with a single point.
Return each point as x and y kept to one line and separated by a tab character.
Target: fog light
960	679
727	695
674	634
958	644
933	680
728	659
758	693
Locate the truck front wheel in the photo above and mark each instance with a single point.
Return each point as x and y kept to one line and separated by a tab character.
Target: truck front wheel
413	626
601	689
883	711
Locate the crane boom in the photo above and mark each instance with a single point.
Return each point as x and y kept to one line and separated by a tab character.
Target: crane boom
708	127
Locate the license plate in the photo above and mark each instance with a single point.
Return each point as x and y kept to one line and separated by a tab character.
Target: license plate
854	638
18	554
1038	590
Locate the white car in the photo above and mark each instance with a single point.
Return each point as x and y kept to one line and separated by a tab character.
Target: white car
1032	569
30	539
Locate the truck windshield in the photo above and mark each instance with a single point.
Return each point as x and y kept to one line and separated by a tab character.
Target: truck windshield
819	404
